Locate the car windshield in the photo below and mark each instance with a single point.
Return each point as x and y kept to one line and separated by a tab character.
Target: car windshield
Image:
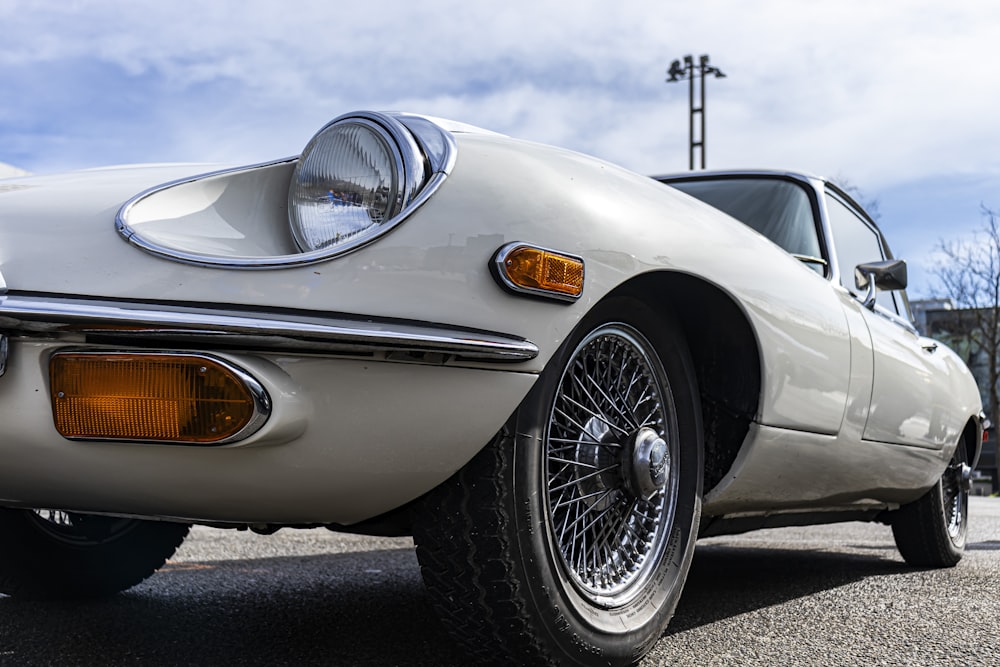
778	209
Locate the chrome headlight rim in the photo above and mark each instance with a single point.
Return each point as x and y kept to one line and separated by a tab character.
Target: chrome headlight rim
407	162
423	140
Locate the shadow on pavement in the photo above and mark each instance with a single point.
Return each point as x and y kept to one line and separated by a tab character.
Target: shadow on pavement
343	609
727	581
365	608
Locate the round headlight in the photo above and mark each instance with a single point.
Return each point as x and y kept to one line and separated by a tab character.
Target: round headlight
349	184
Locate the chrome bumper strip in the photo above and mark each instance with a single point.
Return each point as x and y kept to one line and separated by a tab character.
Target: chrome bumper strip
157	324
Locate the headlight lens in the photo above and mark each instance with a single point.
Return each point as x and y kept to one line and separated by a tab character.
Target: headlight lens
350	182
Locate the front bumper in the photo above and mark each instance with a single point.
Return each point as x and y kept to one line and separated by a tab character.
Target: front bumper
367	414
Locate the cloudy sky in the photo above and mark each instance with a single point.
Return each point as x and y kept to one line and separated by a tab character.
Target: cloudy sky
899	98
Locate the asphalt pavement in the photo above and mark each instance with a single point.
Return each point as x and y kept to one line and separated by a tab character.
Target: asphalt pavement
832	595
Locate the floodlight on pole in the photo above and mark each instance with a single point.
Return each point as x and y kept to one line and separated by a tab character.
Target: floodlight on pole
687	69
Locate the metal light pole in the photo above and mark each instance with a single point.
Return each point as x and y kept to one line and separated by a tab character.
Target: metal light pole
690	71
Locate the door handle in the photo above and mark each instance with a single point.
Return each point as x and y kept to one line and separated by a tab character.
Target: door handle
930	348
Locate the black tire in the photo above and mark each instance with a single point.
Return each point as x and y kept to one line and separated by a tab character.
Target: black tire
555	545
932	530
52	554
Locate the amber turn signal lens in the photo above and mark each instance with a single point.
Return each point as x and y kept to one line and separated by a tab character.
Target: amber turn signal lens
543	270
150	397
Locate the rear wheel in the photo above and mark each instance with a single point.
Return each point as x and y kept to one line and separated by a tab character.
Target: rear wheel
931	531
55	554
567	540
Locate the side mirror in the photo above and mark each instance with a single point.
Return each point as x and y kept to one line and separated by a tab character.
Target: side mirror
888	274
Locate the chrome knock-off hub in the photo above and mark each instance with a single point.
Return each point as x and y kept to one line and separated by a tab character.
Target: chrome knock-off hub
648	465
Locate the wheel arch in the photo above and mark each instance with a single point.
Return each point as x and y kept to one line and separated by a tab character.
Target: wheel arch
972	440
725	352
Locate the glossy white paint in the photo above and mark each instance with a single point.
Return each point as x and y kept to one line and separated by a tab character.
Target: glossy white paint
862	368
920	393
779	469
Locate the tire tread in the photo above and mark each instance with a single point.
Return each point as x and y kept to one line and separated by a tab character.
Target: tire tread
467	562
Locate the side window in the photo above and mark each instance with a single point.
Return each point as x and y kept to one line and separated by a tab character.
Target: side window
856	243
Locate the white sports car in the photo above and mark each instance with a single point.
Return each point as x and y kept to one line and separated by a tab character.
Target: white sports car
554	373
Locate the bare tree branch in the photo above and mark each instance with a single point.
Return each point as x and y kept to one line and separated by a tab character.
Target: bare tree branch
968	272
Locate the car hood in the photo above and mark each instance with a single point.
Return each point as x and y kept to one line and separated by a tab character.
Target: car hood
57	232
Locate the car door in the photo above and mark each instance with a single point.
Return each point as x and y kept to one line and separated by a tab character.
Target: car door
906	399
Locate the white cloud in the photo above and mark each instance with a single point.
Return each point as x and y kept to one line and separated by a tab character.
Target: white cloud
898	96
884	92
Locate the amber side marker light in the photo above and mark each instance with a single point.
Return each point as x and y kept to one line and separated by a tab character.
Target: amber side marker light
532	270
153	397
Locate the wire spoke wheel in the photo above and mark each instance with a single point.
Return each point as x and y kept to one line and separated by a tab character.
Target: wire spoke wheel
567	540
955	494
610	444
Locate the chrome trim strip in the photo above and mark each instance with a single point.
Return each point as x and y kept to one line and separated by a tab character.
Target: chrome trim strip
500	274
261	399
809	259
437	143
288	333
419	139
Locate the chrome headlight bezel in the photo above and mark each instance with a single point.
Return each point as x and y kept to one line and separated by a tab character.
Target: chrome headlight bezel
426	155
